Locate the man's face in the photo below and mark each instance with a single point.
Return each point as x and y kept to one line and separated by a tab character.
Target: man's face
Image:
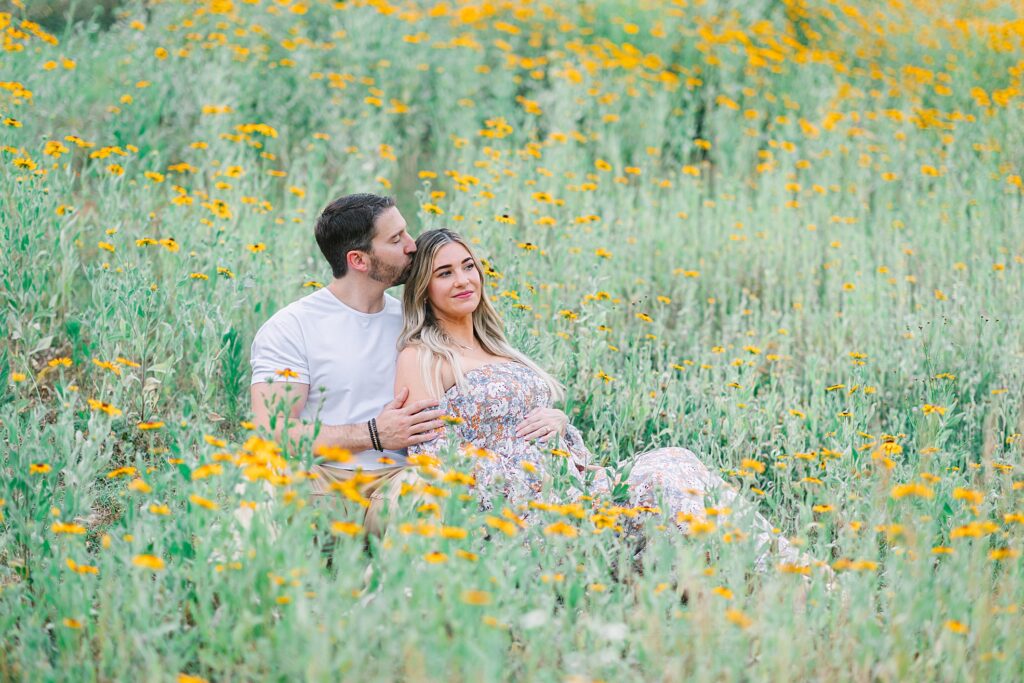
391	249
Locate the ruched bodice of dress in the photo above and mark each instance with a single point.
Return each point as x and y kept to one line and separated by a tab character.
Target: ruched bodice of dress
496	398
485	412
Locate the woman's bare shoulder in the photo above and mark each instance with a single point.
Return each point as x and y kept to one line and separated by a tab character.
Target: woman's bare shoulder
409	372
411	352
410	361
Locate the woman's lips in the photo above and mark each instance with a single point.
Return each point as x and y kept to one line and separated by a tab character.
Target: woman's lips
464	295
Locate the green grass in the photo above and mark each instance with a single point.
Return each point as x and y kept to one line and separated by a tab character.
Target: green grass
769	232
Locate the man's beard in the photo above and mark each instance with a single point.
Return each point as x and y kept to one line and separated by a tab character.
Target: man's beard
384	272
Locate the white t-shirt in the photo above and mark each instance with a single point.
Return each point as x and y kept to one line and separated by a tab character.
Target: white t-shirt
345	356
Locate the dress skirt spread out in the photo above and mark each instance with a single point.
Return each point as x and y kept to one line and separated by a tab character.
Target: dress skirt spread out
496	397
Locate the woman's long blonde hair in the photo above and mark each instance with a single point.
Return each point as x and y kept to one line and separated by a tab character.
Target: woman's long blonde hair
422	329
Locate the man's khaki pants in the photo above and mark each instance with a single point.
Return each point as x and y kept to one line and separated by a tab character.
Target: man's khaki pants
382	487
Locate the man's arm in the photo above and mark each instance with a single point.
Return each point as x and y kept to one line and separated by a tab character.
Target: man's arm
399	425
281	403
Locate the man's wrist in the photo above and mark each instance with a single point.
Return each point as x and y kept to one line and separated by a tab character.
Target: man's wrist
371	426
354	437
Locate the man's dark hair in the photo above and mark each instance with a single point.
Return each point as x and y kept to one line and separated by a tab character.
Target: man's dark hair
347	224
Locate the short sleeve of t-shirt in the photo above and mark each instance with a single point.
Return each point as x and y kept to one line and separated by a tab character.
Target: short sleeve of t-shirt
277	351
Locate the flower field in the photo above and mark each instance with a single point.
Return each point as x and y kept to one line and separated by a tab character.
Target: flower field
786	235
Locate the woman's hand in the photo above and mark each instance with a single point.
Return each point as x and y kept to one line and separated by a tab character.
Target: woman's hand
542	424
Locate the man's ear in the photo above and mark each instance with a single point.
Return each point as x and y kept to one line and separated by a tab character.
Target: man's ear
358	260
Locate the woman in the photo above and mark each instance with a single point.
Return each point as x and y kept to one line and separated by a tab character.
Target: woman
453	349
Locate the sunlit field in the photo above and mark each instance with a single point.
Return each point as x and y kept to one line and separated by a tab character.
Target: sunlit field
786	235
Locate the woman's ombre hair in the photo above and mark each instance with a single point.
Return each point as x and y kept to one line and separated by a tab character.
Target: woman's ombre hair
422	329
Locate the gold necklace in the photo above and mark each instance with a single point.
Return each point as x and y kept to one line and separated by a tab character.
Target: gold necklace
463	346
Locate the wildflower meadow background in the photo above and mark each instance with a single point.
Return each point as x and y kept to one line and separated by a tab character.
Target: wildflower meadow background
784	234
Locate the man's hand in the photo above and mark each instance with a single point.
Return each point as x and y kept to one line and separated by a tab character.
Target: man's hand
401	426
542	423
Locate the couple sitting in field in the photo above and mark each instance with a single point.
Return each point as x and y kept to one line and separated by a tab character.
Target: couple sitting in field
356	369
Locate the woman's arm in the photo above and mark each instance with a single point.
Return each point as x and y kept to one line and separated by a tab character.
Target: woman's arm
408	374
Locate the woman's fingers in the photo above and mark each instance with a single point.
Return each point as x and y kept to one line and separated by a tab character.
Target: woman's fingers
541	423
524	431
534	419
531	428
527	425
540	430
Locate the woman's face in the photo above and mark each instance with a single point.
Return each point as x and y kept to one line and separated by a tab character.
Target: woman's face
454	289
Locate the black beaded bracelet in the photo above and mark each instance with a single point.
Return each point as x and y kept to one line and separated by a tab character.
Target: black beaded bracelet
374	436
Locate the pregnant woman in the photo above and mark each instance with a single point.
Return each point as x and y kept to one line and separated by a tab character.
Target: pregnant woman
453	349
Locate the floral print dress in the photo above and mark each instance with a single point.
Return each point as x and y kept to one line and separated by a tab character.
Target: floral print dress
498	396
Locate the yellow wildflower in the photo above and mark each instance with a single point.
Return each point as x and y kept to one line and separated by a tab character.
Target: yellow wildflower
148	562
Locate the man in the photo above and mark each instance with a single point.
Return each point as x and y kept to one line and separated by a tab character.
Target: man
323	367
